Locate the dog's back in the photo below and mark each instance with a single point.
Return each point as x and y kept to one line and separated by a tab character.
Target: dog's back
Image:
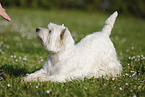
101	39
100	50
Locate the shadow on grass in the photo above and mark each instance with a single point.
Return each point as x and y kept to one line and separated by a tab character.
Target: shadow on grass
15	70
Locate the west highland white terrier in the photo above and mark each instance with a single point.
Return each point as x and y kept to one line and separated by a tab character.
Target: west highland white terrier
93	56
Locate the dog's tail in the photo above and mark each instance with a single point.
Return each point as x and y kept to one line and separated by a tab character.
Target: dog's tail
109	23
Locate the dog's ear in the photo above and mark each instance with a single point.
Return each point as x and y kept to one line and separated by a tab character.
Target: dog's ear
62	34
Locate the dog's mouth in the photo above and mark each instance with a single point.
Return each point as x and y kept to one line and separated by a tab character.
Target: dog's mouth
40	39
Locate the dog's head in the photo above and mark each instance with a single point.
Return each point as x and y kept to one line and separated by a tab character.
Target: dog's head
55	38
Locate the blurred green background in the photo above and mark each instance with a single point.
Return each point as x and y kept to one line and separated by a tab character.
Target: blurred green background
21	53
132	7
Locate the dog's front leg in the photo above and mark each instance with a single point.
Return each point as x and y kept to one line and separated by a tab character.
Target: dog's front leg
36	76
48	66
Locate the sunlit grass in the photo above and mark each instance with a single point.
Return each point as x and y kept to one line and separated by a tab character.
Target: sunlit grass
21	53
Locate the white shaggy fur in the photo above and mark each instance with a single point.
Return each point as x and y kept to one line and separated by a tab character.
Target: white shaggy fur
94	55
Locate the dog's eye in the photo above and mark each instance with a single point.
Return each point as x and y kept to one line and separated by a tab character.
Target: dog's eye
49	31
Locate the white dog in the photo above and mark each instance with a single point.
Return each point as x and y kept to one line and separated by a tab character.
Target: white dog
94	55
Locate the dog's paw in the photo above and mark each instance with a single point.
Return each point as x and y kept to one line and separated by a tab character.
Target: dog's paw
29	78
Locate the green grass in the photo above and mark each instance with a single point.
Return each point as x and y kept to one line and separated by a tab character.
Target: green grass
21	53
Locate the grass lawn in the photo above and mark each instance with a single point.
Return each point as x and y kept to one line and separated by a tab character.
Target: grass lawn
21	53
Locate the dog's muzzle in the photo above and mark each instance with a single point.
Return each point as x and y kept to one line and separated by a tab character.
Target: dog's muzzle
37	34
37	29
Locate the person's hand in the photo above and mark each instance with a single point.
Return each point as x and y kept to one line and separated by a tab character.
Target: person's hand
4	14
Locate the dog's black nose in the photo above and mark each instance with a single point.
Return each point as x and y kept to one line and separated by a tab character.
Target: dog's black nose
37	29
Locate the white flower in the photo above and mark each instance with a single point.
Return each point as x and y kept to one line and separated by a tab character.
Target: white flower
134	95
107	78
132	48
127	50
25	58
139	87
36	86
127	74
19	57
16	60
126	83
86	88
48	91
8	85
8	46
133	74
120	88
113	78
14	56
133	57
2	53
41	59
